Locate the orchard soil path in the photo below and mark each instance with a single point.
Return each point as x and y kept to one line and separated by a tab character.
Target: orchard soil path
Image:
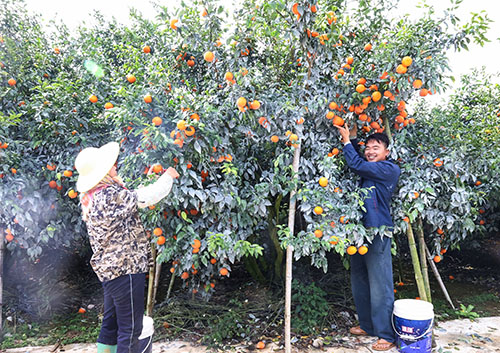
481	335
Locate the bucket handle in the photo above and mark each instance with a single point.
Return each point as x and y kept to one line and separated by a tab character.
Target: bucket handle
413	338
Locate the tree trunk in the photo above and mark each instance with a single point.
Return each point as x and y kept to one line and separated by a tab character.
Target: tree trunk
423	258
152	271
289	255
416	263
273	233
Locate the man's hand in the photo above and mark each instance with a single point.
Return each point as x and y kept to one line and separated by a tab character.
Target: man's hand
344	132
173	173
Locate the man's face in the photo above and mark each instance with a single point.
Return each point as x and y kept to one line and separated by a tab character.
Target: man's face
376	151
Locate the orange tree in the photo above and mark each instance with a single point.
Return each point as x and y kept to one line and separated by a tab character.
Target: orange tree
227	108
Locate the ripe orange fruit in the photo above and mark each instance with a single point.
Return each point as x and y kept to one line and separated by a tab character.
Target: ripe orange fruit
368	47
108	105
181	125
72	194
146	49
11	82
334	240
416	195
338	121
424	92
443	251
173	23
362	250
68	173
52	184
293	137
318	233
204	13
255	105
437	258
241	102
148	98
330	115
209	56
229	76
478	182
131	78
376	96
295	9
360	88
275	138
351	250
223	271
323	181
157	232
300	121
335	151
401	69
81	311
157	121
157	169
343	220
93	98
440	231
417	84
190	131
196	244
260	345
438	162
318	210
406	219
406	61
185	275
350	60
9	237
161	240
190	62
333	106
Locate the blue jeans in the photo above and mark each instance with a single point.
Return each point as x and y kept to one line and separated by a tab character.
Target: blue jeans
373	288
123	312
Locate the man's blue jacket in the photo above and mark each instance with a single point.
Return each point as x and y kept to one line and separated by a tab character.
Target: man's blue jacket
383	176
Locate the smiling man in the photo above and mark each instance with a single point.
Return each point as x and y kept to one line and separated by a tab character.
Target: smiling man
371	274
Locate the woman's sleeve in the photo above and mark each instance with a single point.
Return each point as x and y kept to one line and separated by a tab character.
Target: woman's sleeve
153	193
114	203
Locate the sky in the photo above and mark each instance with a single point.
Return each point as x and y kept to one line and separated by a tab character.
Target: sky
75	12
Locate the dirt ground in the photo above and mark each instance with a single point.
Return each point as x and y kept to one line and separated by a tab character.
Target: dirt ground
481	335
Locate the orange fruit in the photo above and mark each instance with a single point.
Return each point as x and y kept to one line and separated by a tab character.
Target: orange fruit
360	88
401	69
229	76
330	115
406	219
185	275
190	62
300	121
213	261
148	98
342	219
181	125
318	210
157	232
173	23
52	184
275	138
478	182
318	233
424	92
323	181
438	162
209	56
417	84
190	131
161	240
437	258
81	311
241	102
195	117
11	82
338	121
9	237
443	251
204	13
335	151
406	61
295	9
351	250
350	60
157	168
196	244
376	96
72	194
416	195
255	105
260	345
146	49
440	231
93	98
131	78
362	250
368	47
334	240
68	173
157	121
108	105
293	137
223	271
333	106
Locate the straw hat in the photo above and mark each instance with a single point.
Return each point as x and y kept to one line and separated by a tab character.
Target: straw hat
93	164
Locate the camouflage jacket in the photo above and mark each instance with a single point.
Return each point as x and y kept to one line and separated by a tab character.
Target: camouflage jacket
116	234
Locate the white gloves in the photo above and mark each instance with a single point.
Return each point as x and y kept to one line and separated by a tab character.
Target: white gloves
153	193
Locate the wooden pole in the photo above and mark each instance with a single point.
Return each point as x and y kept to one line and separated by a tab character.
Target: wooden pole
289	254
423	260
438	277
150	300
416	263
2	252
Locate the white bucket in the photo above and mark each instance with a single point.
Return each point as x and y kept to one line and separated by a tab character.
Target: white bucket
146	337
412	321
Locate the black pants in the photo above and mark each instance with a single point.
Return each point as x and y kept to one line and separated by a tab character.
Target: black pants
123	312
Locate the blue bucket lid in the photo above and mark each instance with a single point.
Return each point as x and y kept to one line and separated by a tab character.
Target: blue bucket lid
413	309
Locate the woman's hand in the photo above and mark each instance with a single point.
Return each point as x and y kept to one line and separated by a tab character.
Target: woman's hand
173	173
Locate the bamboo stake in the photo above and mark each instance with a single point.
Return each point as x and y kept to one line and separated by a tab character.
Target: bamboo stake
2	251
289	255
416	263
157	282
170	285
149	305
423	261
438	277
